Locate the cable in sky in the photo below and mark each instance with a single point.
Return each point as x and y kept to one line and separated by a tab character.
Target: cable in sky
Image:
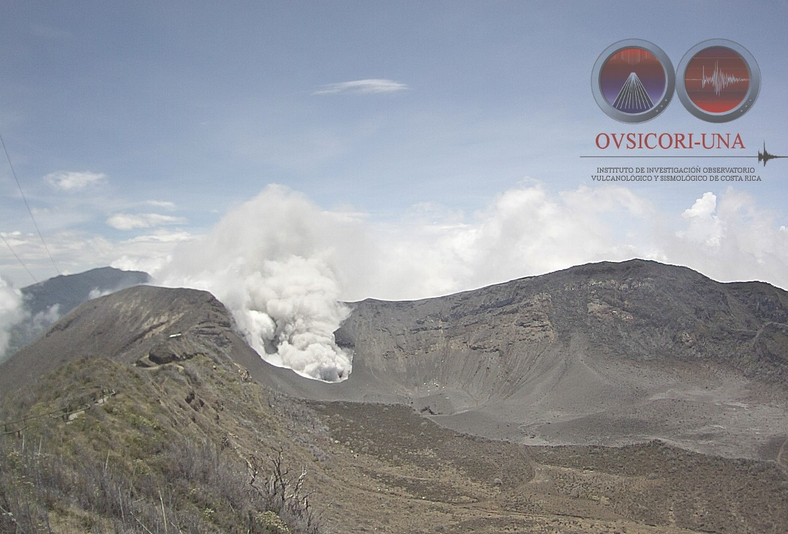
18	258
13	172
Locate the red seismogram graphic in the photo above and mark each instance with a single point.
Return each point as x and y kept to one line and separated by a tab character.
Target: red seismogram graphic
717	79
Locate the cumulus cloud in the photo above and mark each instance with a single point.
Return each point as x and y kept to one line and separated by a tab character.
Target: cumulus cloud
523	231
11	313
704	225
730	238
366	86
128	221
76	251
74	181
141	262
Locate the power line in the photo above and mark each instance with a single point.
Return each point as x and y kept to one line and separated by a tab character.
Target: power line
13	172
18	258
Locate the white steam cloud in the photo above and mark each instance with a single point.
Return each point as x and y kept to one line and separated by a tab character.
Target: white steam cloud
11	313
275	263
282	264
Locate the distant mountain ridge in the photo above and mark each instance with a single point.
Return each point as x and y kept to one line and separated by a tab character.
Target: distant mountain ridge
47	301
73	289
632	311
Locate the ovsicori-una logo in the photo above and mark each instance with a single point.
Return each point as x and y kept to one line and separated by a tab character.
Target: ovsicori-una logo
717	80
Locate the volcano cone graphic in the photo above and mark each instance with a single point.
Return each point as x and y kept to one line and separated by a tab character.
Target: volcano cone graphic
633	97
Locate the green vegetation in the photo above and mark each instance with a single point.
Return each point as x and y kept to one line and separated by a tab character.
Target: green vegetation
102	448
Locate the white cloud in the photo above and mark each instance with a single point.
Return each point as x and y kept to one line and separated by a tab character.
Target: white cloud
74	181
524	231
162	236
163	204
141	262
31	327
11	313
367	86
77	251
96	293
148	253
730	238
127	221
705	227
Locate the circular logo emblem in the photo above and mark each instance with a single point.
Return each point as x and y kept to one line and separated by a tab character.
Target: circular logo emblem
633	80
718	80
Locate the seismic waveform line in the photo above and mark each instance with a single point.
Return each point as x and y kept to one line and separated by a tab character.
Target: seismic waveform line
633	96
718	79
763	156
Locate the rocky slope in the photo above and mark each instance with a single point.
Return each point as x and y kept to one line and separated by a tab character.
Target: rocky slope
604	353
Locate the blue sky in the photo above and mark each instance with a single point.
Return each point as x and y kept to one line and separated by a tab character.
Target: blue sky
448	130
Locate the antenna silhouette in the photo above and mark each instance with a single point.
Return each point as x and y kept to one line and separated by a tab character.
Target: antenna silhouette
765	156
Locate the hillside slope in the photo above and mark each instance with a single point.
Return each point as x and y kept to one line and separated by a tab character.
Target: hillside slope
603	353
143	411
